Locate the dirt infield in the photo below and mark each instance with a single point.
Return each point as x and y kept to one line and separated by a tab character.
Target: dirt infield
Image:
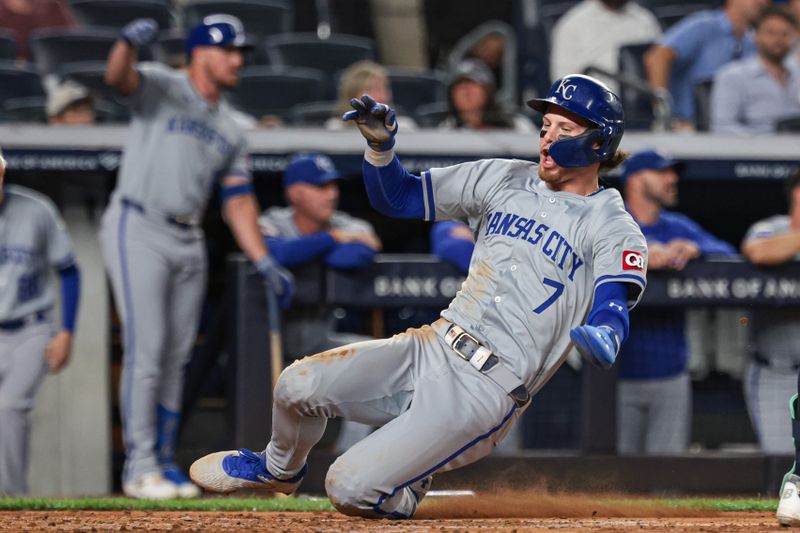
334	523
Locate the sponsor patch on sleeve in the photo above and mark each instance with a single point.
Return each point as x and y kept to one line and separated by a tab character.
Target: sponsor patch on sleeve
632	261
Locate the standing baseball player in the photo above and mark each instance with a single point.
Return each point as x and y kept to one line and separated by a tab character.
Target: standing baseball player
33	240
772	378
183	142
557	260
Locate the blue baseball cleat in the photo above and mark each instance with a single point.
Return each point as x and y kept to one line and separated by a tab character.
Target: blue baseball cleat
184	487
235	470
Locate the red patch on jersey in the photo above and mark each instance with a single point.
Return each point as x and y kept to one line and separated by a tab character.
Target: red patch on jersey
632	261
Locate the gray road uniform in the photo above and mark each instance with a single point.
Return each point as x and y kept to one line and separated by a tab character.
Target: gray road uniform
178	150
771	377
311	329
538	257
33	240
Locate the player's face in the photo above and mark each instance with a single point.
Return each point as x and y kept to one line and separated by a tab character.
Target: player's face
557	124
661	186
317	202
222	65
775	38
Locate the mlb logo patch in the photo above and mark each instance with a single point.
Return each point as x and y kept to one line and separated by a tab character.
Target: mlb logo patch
632	261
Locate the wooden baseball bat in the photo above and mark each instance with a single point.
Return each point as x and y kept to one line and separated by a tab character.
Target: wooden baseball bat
275	342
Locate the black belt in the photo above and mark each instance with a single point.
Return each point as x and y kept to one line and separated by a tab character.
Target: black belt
469	349
27	320
762	360
181	222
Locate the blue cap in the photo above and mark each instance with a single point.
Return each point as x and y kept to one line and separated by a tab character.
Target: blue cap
217	30
646	160
313	168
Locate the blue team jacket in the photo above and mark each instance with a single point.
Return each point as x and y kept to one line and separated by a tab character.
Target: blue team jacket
656	346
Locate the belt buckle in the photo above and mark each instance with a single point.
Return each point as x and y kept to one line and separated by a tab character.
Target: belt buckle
458	339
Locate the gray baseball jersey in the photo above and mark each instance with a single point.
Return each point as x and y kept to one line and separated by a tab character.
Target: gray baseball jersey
538	257
178	146
32	240
776	332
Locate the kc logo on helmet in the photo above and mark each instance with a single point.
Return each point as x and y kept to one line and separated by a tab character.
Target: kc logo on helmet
632	261
566	90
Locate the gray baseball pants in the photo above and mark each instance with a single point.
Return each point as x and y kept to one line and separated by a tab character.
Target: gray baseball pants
436	412
654	416
158	275
23	366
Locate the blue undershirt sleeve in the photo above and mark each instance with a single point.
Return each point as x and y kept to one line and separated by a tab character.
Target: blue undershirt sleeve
290	253
70	295
457	252
349	256
610	308
393	191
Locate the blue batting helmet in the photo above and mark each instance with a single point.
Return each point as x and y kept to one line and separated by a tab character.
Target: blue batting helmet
592	100
217	30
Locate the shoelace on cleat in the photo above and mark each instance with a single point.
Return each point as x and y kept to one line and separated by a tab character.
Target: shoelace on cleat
249	465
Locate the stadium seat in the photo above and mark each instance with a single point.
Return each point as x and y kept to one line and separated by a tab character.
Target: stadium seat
307	50
411	88
117	13
788	125
550	12
170	44
274	90
261	18
54	48
637	105
16	81
312	113
91	74
8	45
25	109
702	104
431	115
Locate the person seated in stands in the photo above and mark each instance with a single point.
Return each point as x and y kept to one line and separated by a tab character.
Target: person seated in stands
694	49
22	17
70	104
751	95
591	33
360	78
654	395
311	231
472	101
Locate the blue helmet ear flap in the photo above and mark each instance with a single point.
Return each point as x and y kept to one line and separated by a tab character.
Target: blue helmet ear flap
578	151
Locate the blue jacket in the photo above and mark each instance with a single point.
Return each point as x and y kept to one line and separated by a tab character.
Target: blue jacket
656	346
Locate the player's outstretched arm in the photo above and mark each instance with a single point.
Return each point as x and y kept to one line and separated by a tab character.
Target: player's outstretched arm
606	328
391	189
120	71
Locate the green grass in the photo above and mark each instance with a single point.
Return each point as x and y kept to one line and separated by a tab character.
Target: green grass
205	504
322	504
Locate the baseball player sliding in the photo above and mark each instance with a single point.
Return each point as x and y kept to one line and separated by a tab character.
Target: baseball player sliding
183	141
33	240
557	261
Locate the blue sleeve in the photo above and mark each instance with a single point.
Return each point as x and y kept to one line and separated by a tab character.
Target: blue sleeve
610	309
70	295
686	37
457	252
295	252
393	191
708	244
349	256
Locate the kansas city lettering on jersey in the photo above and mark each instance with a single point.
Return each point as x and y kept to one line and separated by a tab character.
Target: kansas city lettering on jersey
549	241
15	255
200	130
